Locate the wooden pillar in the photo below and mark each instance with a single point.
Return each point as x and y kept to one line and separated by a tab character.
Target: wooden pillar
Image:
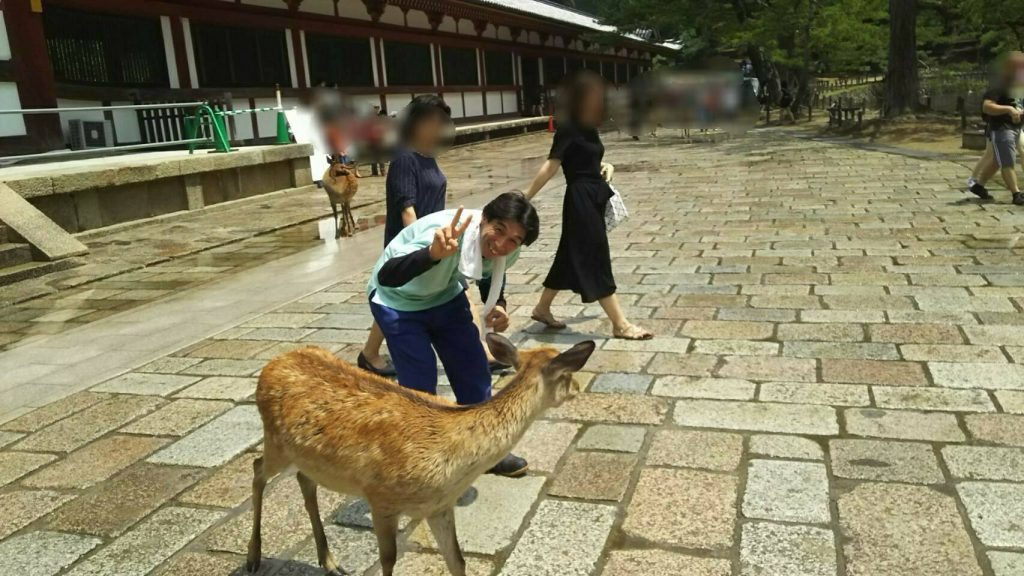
33	73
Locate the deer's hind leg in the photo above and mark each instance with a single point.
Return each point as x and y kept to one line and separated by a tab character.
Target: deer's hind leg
263	469
442	525
350	221
323	552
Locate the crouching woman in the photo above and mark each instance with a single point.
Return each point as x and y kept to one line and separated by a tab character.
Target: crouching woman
417	296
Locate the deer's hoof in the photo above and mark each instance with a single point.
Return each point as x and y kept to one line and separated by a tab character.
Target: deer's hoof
251	566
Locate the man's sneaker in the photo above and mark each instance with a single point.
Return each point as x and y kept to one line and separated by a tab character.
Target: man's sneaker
511	466
1018	199
388	371
980	191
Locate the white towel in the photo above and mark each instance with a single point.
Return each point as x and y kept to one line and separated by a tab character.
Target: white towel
471	265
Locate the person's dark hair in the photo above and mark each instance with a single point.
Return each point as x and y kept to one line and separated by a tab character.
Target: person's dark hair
514	206
421	108
574	93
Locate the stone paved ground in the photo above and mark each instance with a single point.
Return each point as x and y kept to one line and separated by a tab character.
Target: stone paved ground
133	265
836	389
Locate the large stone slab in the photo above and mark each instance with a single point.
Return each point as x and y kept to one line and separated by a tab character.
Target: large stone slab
985	462
36	228
696	449
123	500
656	562
903	425
904	530
995	511
931	398
769	368
216	442
886	461
43	417
95	462
144	383
886	373
978	375
43	553
544	444
612	438
147	545
612	408
687	508
718	388
178	418
489	524
1006	429
780	550
18	508
563	539
779	446
89	424
815	393
787	491
1006	563
594	476
759	416
14	465
228	487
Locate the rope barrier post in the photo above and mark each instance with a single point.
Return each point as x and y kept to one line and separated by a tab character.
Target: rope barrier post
282	121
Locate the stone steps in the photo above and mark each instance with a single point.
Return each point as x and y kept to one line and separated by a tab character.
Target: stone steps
32	269
13	254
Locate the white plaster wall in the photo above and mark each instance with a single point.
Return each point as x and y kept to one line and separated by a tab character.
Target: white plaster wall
533	38
243	122
266	122
126	125
65	117
317	7
5	45
490	31
448	25
466	27
417	19
11	124
397	102
392	15
504	34
508	101
474	104
352	9
364	102
493	103
454	100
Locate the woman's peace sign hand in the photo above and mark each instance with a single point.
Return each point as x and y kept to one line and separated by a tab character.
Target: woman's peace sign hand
446	238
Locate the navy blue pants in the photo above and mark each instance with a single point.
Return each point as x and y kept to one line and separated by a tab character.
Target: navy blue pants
413	337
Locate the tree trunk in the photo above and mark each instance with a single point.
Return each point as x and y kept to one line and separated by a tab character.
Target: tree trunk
901	77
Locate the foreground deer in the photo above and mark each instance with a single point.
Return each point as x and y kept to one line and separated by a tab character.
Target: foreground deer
406	452
341	185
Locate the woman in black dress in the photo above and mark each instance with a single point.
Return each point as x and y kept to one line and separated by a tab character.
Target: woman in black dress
583	262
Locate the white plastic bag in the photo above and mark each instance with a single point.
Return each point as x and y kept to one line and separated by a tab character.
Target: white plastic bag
616	211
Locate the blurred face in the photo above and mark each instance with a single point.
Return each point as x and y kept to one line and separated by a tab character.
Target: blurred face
500	237
592	111
428	133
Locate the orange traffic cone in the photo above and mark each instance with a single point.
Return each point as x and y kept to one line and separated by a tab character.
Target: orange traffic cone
551	123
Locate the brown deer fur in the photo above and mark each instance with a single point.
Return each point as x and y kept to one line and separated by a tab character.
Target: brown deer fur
406	452
341	185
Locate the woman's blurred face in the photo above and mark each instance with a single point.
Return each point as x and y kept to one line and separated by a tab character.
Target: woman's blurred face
592	111
428	133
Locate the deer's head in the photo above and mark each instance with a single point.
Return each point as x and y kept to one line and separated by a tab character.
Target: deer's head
554	370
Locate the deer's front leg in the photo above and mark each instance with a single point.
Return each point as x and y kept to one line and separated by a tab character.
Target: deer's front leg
386	529
442	525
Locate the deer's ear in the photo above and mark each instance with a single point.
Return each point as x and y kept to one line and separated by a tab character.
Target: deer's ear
573	359
503	350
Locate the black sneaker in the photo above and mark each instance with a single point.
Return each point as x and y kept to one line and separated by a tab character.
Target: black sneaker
388	371
1018	199
980	191
511	466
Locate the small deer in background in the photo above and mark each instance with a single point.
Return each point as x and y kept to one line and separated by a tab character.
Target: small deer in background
341	185
406	452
